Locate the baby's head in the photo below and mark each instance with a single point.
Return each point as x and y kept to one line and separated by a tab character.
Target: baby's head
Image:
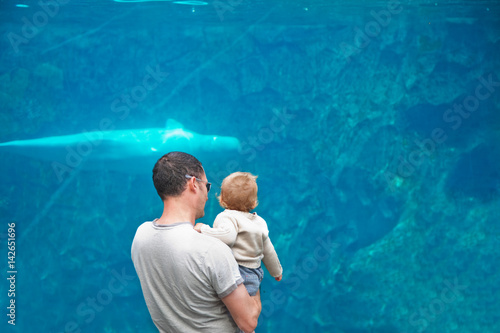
239	192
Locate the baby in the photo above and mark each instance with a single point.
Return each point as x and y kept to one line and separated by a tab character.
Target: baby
246	233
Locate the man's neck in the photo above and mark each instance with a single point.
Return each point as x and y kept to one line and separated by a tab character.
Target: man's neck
175	211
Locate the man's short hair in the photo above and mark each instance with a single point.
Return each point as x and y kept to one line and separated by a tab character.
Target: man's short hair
239	192
169	173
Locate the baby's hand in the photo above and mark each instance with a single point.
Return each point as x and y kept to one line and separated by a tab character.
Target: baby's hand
278	278
198	226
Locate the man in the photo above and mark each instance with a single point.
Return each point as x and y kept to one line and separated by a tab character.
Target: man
190	281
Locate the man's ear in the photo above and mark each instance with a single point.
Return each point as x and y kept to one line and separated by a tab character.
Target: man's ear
192	183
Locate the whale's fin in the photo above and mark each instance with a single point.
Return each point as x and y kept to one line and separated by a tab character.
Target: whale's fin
173	124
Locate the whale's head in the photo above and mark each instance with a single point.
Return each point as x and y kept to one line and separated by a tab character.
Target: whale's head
221	143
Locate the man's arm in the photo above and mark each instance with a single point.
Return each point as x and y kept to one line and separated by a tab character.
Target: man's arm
244	309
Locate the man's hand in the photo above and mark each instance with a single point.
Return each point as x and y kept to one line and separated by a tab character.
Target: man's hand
198	226
278	278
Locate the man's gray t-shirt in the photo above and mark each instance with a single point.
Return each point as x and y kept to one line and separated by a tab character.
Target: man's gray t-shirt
184	275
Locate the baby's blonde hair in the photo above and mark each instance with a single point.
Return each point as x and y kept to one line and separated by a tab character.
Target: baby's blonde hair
239	192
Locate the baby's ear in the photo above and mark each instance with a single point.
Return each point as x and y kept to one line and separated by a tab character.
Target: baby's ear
255	204
221	201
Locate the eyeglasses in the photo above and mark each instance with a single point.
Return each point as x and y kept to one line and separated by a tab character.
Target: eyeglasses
209	185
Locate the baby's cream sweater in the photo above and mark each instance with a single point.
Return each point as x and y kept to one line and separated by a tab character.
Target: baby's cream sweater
248	237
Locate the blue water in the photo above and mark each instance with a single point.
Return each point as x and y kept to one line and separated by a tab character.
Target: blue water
374	128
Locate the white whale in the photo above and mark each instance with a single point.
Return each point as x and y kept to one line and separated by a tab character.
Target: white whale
130	151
